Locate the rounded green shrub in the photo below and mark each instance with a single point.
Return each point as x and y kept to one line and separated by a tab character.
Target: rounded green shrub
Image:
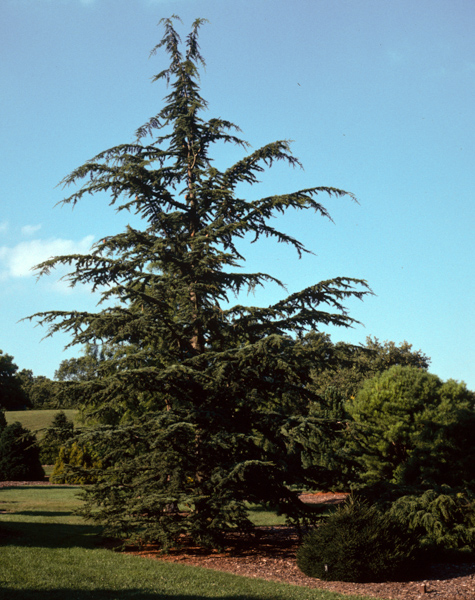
19	455
412	429
76	464
357	543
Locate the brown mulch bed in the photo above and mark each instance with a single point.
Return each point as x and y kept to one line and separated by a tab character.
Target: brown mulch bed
271	555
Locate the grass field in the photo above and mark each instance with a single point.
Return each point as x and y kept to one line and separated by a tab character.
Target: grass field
38	420
48	553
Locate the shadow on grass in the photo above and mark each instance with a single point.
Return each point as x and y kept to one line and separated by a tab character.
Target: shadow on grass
43	513
49	535
131	594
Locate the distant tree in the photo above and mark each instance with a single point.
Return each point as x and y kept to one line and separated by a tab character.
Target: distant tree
26	379
411	428
86	367
202	399
12	396
57	435
19	455
44	393
349	366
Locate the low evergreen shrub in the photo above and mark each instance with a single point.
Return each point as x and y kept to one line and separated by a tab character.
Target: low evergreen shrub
76	464
357	543
443	519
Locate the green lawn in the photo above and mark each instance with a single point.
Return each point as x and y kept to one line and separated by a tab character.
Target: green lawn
38	420
48	553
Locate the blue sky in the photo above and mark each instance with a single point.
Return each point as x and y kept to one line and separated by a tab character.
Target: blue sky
377	97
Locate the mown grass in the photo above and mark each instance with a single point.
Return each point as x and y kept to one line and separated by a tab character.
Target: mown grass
48	553
37	421
263	517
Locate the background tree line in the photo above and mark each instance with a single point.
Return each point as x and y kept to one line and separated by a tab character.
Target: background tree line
338	367
22	390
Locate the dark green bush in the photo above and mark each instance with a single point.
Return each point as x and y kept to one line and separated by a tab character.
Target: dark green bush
19	455
357	543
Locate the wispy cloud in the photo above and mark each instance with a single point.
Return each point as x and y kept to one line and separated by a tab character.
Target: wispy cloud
19	260
30	229
3	227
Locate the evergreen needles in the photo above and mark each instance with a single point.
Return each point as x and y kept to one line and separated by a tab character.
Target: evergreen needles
196	399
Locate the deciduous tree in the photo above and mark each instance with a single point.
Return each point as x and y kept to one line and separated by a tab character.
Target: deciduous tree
12	396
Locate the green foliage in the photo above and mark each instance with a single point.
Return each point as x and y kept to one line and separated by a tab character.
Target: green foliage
60	432
347	367
19	455
12	395
337	374
442	519
42	393
3	420
85	367
357	543
410	428
76	464
199	399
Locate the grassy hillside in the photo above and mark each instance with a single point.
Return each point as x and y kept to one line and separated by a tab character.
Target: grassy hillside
38	420
49	553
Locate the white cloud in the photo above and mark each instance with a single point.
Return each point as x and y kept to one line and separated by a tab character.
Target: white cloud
30	229
19	260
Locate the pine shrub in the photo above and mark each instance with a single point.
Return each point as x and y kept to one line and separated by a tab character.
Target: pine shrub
76	464
357	543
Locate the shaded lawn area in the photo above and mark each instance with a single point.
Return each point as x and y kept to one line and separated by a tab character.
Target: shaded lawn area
48	553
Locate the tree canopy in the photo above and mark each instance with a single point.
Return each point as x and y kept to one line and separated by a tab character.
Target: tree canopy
12	395
200	398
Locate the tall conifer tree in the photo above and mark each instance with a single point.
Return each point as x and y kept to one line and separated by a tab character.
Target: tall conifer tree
199	400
